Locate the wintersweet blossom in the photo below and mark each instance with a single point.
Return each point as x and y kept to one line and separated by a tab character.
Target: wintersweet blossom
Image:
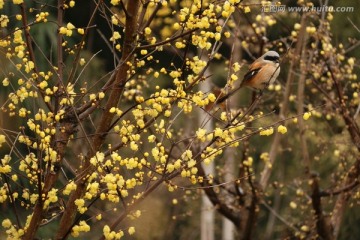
2	139
131	230
282	129
18	1
306	115
267	132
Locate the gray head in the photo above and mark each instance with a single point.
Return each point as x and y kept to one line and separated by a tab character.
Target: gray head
271	56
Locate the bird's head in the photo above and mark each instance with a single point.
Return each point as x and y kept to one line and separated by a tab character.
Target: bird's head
271	56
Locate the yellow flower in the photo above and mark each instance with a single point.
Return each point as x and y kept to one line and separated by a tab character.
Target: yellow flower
240	127
304	228
82	61
2	139
236	67
6	223
131	230
351	61
176	26
217	36
293	205
248	162
297	26
101	95
306	115
116	35
234	77
267	132
115	2
4	20
5	169
151	138
218	132
70	26
200	134
81	31
310	30
71	186
265	156
134	146
147	31
43	84
18	1
277	87
62	30
18	36
29	66
179	45
282	129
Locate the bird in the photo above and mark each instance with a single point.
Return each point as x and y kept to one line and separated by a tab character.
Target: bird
262	72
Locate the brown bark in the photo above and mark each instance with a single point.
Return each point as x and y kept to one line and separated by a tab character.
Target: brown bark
323	227
130	40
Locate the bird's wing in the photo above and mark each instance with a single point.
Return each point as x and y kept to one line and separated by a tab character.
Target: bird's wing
250	74
253	70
